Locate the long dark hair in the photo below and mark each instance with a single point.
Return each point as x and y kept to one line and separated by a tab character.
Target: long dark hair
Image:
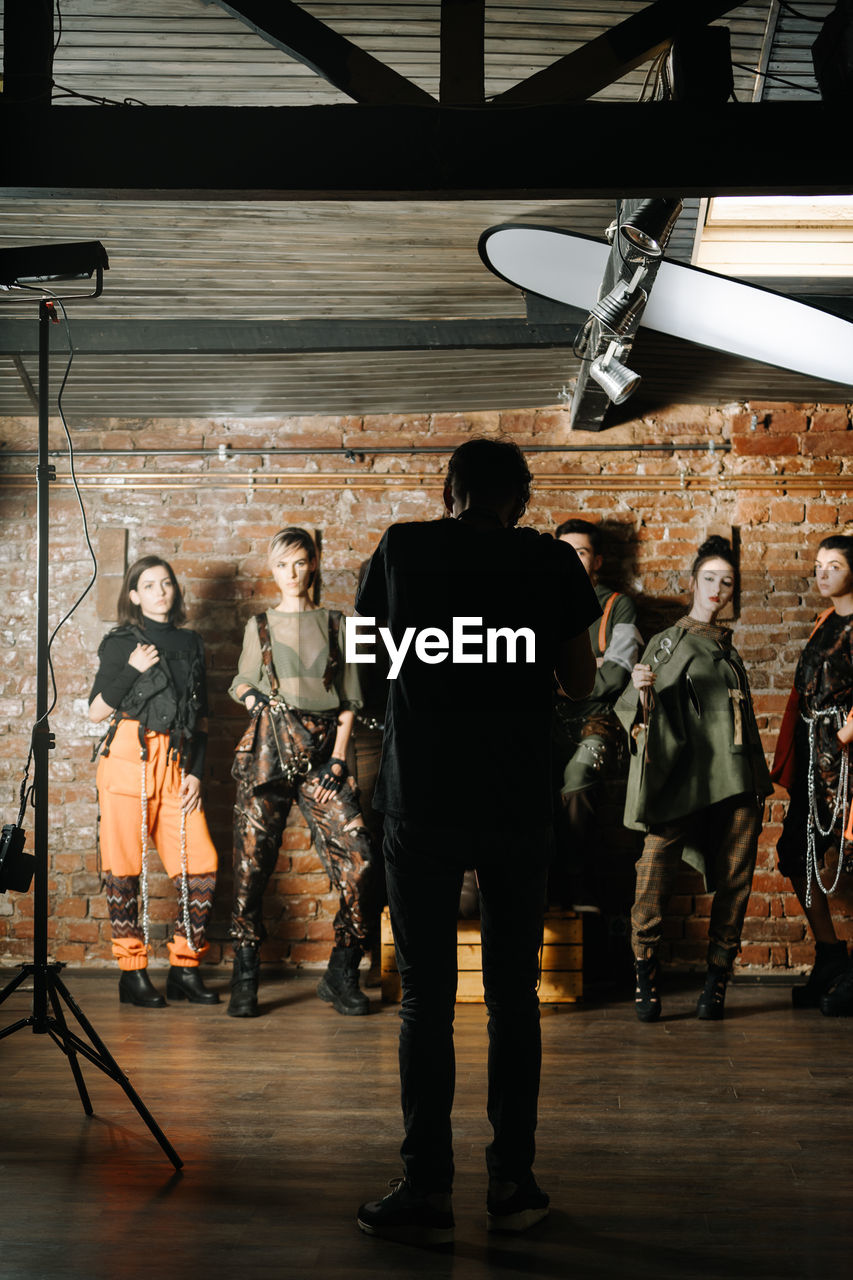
839	542
130	613
292	536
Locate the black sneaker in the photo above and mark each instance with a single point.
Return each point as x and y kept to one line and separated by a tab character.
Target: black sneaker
409	1216
514	1207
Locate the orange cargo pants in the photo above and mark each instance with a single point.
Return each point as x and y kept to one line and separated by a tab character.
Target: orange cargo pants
120	796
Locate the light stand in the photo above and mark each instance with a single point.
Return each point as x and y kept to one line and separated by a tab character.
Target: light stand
49	991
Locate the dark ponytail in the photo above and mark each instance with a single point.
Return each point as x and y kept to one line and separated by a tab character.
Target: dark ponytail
716	547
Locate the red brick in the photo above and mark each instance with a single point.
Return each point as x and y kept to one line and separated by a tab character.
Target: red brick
829	444
73	907
786	420
752	510
773	931
82	931
836	419
309	952
759	445
787	511
296	838
315	882
70	953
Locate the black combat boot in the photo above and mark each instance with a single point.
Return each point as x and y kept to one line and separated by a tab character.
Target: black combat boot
184	983
830	961
244	983
134	987
711	1005
339	984
838	1001
646	998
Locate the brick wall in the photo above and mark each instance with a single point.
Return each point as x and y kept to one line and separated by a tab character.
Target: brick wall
787	481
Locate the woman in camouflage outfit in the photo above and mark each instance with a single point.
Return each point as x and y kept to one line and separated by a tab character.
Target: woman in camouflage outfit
302	699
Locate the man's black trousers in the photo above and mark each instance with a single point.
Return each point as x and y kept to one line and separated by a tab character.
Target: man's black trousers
425	866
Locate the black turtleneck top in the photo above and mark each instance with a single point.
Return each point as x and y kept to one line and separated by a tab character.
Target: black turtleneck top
116	677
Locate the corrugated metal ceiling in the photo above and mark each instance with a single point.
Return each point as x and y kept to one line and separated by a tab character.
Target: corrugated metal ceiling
365	260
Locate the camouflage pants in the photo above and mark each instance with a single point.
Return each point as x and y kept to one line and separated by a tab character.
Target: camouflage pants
339	836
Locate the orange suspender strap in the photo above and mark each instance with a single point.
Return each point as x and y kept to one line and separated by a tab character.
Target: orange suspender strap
602	626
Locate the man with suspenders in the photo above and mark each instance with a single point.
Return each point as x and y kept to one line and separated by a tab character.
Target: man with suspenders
587	735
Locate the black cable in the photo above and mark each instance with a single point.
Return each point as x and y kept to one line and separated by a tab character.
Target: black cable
26	792
804	17
80	503
769	75
99	102
59	20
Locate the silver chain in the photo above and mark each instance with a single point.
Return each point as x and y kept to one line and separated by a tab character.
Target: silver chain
185	888
840	803
144	840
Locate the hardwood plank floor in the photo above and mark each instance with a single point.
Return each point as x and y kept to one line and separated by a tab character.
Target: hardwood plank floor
682	1149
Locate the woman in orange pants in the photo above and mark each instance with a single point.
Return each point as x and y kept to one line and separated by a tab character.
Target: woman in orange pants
151	684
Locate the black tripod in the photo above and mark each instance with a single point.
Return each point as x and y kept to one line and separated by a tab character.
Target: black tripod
49	991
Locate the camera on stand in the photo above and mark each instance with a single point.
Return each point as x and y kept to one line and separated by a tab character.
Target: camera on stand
16	867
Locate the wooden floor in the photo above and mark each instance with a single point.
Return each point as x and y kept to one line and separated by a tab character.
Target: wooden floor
683	1149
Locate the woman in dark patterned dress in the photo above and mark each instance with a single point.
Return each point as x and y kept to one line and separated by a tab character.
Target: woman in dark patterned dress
811	763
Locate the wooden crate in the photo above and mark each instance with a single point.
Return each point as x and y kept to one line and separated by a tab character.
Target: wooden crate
562	960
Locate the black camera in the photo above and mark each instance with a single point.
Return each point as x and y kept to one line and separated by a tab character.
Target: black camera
16	867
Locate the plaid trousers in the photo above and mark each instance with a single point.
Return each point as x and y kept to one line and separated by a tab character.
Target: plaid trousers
729	832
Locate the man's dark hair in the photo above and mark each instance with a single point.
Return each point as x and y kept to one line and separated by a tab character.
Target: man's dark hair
490	471
586	529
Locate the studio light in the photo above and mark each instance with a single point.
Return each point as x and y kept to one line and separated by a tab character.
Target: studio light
39	264
620	307
616	380
649	227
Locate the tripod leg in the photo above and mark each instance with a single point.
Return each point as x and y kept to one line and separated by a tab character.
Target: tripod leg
26	972
16	1026
111	1068
68	1046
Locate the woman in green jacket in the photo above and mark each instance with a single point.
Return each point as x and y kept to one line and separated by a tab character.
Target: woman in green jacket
697	780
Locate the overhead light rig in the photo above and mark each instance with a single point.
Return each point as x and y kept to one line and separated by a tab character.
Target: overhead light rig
638	237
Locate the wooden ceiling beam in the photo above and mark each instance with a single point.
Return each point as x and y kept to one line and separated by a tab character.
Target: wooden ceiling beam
288	27
19	335
28	52
463	53
612	55
436	153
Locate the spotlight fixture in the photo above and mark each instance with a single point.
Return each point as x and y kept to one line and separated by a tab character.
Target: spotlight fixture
616	380
649	227
620	307
40	264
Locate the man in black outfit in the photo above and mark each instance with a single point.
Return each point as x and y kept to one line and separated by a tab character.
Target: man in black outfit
464	781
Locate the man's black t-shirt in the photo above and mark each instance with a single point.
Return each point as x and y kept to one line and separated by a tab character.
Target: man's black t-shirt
467	744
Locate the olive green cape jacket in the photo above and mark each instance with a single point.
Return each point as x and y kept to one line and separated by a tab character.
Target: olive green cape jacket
701	744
